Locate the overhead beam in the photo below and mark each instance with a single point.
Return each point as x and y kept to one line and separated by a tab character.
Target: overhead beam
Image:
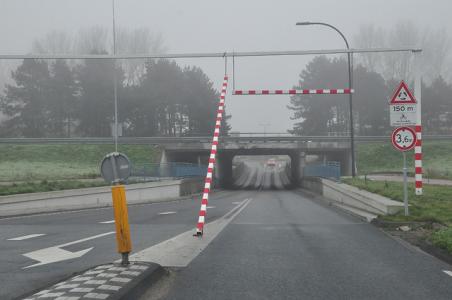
205	55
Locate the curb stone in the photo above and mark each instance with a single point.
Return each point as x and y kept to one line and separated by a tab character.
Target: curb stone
110	281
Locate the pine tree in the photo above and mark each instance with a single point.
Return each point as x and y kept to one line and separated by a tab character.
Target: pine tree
25	102
63	101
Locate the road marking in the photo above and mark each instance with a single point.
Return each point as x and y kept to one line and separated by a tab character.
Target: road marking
26	237
107	222
180	250
448	272
210	207
56	254
167	213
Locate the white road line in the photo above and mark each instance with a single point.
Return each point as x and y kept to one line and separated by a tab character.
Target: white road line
107	222
167	213
239	202
26	237
448	272
180	250
210	206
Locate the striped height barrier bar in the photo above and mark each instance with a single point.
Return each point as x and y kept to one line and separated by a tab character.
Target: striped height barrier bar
294	92
210	167
418	160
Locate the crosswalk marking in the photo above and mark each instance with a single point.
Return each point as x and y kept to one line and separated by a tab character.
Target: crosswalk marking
26	237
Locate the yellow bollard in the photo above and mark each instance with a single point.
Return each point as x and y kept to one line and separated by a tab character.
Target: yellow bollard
122	222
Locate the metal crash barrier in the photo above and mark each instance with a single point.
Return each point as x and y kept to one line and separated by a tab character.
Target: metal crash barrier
155	171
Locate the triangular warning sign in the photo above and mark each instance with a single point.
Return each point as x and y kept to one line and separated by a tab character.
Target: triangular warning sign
403	95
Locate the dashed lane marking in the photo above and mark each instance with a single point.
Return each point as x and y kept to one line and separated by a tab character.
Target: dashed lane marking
210	207
107	222
26	237
239	202
167	213
448	272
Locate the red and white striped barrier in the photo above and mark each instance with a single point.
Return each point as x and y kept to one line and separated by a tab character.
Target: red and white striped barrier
293	92
210	167
418	160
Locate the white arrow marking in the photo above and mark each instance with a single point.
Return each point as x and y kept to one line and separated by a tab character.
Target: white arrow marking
26	237
448	272
55	254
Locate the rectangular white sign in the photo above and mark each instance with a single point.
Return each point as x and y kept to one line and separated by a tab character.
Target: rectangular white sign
402	114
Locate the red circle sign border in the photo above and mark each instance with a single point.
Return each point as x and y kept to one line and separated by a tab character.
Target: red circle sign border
394	132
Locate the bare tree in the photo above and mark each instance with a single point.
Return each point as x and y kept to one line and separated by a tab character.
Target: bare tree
54	42
136	41
92	40
395	66
370	36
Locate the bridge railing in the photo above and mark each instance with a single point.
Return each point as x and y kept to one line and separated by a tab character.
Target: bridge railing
156	171
330	169
197	139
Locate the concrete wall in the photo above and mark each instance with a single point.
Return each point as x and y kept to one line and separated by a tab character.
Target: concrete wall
350	197
96	197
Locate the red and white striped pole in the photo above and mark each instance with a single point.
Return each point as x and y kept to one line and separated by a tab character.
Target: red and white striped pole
211	166
418	127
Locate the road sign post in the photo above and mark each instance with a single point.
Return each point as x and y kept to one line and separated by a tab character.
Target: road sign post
405	110
404	139
115	169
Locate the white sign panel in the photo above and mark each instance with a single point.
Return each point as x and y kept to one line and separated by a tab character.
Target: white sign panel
402	114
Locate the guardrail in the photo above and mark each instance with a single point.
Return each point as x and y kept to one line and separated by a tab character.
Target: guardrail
330	170
152	171
197	139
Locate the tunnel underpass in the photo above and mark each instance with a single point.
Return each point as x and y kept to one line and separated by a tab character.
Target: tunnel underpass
263	172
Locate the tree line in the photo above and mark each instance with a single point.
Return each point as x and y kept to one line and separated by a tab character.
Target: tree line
329	114
53	99
376	75
67	98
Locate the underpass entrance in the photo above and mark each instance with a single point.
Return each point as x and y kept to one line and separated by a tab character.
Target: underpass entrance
261	172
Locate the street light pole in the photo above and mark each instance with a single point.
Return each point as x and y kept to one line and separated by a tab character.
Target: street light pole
115	84
350	84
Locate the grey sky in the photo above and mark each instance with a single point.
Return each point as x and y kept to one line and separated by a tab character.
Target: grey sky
204	26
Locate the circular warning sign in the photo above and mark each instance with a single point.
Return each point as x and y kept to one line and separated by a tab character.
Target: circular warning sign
403	138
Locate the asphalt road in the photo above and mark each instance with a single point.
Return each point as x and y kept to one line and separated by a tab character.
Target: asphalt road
150	224
286	246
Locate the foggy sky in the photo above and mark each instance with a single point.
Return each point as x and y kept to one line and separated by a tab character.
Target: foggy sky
216	26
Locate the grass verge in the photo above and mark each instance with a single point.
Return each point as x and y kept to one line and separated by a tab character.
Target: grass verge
434	206
47	186
381	157
36	162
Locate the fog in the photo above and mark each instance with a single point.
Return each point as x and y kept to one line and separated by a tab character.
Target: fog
216	26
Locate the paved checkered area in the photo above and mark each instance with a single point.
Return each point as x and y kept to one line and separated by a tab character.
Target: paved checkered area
101	282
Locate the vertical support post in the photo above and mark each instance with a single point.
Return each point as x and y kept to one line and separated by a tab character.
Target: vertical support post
418	127
350	104
123	239
405	185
